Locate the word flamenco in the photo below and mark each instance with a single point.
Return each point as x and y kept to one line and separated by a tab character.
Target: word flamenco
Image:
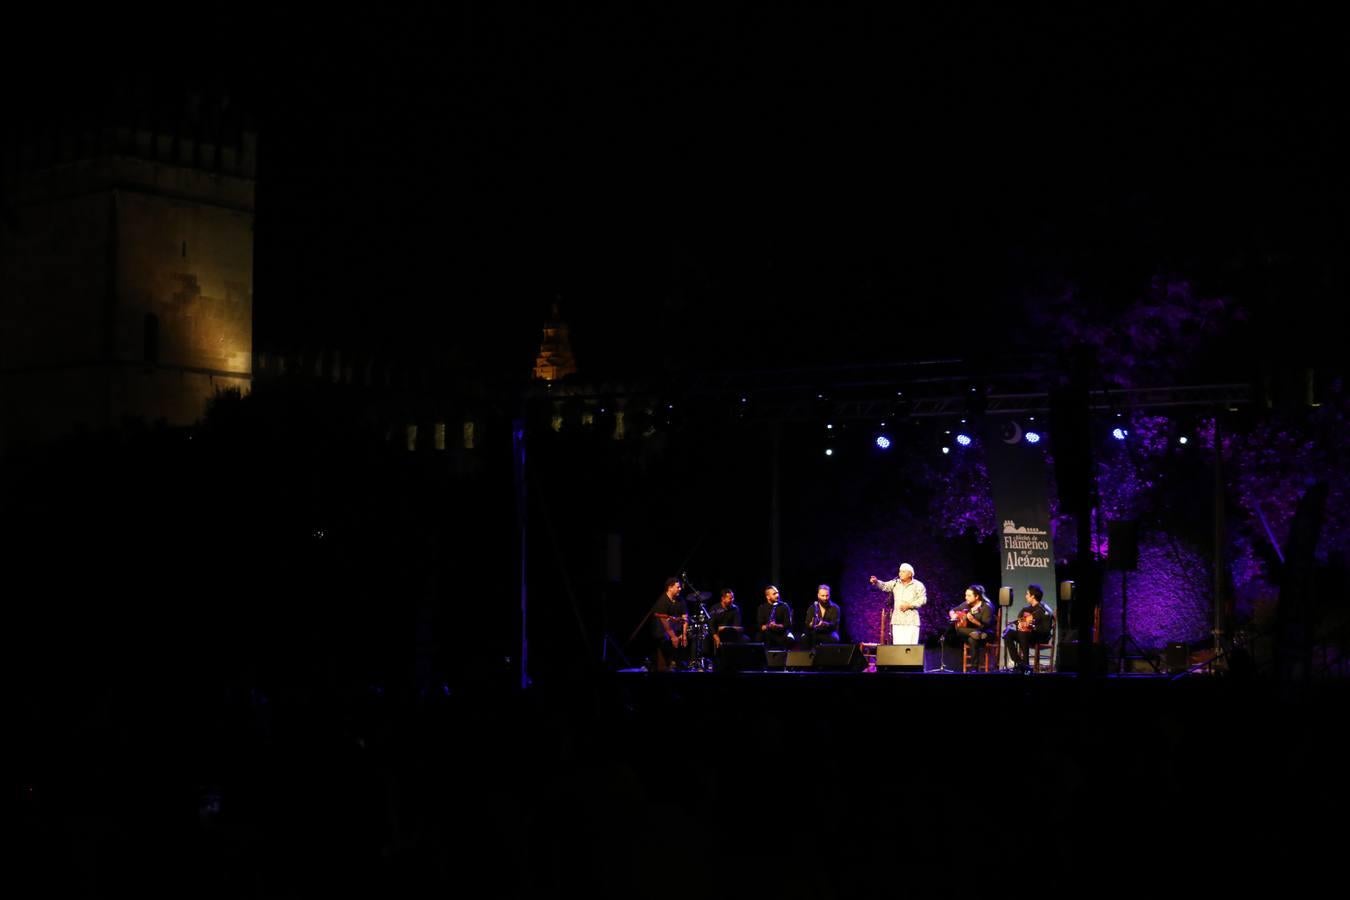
1020	549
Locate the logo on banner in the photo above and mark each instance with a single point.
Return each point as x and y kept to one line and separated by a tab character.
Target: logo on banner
1023	547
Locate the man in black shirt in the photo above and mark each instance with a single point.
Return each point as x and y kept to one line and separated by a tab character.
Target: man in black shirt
822	620
972	621
1031	627
775	621
670	626
726	621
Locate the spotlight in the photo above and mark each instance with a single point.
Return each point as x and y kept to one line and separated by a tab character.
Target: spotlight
883	442
1119	433
963	440
829	451
1183	440
946	450
1032	437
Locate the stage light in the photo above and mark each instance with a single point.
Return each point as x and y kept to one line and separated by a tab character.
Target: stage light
1183	440
883	442
1119	433
963	440
1032	437
946	450
829	451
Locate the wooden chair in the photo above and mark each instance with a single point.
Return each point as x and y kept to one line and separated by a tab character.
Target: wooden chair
989	650
1036	653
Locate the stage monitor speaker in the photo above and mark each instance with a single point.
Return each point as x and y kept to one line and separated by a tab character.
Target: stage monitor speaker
839	658
799	659
737	657
1122	552
775	659
1005	596
1082	657
900	657
1065	591
1176	658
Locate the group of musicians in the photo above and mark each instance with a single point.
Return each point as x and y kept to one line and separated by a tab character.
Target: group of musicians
971	622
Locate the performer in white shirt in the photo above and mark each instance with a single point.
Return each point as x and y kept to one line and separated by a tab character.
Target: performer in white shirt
907	595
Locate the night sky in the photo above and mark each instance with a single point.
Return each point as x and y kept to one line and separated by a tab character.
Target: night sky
430	181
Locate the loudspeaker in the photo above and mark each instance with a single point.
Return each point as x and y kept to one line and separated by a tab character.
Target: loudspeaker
900	657
736	657
839	657
1176	658
1123	552
1065	591
1005	596
799	659
1084	658
775	659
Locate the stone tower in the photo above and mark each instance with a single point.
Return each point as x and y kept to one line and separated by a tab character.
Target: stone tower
126	268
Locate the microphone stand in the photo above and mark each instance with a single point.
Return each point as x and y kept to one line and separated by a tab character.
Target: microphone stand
942	654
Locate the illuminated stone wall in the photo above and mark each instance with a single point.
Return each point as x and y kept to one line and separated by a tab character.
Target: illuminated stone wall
127	292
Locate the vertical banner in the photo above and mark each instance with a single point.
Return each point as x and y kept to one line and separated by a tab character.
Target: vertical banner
1018	479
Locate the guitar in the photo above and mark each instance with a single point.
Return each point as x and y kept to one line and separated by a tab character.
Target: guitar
1026	622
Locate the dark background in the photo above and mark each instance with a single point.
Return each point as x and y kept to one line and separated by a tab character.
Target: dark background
432	179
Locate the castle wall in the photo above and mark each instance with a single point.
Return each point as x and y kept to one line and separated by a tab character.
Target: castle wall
126	290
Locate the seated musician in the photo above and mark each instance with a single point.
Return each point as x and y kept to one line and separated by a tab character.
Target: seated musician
822	620
775	621
726	621
1031	627
670	627
972	621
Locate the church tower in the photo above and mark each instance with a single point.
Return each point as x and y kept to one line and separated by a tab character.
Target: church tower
555	359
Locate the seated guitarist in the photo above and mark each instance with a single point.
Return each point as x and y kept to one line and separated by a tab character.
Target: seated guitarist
1031	627
971	620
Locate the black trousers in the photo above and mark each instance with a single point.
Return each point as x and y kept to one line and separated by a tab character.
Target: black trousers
1019	643
812	638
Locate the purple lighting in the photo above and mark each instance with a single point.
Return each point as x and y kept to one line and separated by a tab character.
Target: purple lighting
963	440
1119	433
883	442
1032	437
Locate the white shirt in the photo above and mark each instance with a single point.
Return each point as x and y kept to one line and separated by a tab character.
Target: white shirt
912	594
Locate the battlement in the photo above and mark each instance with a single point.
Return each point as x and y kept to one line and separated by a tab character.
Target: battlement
191	130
